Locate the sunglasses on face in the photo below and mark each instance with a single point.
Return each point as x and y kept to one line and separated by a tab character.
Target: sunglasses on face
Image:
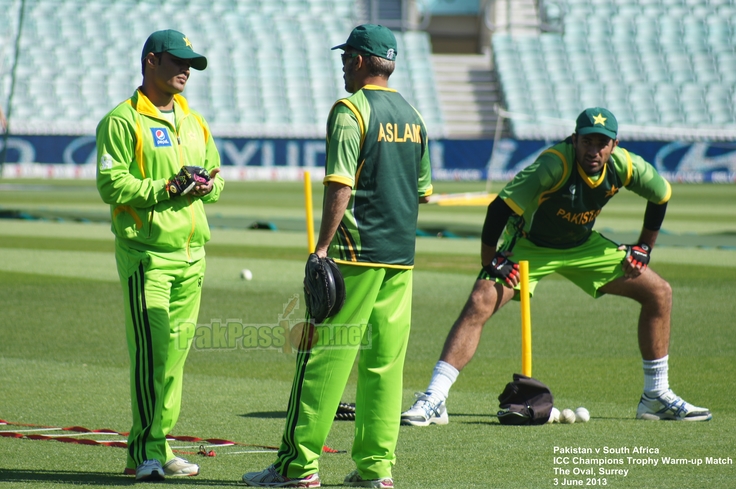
348	56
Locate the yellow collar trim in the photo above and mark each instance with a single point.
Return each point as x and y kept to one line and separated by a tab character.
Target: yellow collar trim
146	107
376	87
589	181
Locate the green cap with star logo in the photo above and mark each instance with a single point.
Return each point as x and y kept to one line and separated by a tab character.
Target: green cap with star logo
176	44
372	39
597	120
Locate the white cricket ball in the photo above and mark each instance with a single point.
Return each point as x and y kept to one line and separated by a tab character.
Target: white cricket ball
246	274
582	415
567	416
554	415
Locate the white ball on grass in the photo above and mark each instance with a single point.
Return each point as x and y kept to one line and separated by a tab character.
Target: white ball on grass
582	415
554	415
567	416
246	274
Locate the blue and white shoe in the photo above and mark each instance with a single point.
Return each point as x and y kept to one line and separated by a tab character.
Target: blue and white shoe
670	406
270	478
149	471
425	411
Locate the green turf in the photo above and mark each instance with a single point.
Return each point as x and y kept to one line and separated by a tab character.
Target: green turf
63	359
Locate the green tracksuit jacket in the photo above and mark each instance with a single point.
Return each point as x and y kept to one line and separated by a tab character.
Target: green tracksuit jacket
137	152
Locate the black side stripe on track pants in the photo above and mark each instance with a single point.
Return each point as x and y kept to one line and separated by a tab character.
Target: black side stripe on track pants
286	457
143	368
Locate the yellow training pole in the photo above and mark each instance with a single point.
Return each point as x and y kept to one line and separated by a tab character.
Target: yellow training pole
308	206
526	320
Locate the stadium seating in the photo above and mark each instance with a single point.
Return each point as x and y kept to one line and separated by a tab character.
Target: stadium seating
664	63
271	72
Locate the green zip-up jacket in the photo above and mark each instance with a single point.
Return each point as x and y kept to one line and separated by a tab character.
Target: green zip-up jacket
138	151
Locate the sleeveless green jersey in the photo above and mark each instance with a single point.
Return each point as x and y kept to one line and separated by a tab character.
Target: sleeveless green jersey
377	144
556	203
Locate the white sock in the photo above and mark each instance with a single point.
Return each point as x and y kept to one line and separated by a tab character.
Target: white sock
443	376
656	379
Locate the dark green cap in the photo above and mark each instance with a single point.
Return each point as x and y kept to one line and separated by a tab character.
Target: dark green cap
597	120
176	44
372	39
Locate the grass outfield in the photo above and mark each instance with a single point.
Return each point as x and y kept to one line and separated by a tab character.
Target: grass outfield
63	359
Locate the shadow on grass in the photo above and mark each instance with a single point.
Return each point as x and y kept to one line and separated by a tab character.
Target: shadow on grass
265	415
493	419
103	479
474	415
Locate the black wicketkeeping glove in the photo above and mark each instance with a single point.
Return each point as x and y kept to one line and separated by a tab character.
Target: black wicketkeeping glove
324	288
503	268
183	182
639	255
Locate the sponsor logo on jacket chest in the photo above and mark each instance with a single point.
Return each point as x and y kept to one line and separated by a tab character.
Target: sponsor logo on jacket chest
160	137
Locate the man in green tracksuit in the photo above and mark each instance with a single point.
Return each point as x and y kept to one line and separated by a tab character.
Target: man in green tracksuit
377	172
160	230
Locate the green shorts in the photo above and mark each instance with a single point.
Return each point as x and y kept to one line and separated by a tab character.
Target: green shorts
590	266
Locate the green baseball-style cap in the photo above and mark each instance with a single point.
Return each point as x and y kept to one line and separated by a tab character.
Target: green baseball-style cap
176	44
372	39
597	120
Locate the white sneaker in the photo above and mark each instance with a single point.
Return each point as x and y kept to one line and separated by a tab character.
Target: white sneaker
270	478
353	479
426	410
670	406
149	471
178	467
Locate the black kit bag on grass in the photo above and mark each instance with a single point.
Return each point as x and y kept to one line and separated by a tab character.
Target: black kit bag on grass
525	401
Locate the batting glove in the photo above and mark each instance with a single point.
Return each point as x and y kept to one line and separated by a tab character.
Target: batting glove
503	268
183	182
639	255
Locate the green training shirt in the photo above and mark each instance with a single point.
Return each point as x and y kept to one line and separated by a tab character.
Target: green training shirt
377	144
556	203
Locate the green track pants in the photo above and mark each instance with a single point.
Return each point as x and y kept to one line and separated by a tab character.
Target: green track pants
161	307
374	321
